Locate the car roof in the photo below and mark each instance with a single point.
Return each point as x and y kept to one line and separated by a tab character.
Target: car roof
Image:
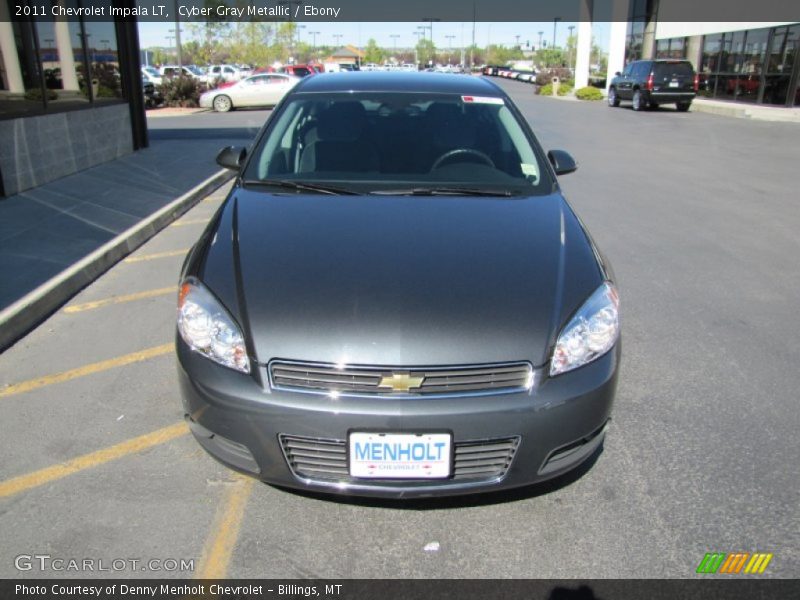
385	81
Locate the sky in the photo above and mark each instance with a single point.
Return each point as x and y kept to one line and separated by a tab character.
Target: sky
357	34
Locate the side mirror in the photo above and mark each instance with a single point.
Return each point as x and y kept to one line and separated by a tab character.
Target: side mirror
617	73
231	157
562	162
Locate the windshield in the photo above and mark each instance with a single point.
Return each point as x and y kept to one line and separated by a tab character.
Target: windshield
372	142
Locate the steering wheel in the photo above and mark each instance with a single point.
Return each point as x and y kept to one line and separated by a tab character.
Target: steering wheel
451	153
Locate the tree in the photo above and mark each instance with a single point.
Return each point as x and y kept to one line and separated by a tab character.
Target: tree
373	53
426	52
551	57
500	55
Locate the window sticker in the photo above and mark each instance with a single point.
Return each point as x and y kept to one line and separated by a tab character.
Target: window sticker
482	100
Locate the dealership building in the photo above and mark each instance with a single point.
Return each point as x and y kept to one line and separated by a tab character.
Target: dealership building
70	94
749	62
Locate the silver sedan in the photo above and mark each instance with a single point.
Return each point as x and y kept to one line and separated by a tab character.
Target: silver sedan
266	89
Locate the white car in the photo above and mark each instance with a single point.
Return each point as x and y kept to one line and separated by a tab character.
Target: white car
266	89
152	74
224	72
185	71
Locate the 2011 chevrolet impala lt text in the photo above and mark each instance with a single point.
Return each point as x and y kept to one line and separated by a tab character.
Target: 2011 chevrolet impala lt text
396	299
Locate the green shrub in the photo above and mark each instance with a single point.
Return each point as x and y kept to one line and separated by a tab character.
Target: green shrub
564	89
589	93
183	92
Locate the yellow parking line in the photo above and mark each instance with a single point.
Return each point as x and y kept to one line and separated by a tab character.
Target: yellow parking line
120	299
87	461
189	222
143	257
225	531
103	365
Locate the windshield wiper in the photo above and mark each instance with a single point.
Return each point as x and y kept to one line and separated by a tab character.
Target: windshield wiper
302	186
442	191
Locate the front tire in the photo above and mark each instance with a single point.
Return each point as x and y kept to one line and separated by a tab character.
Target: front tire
222	103
613	99
638	101
683	106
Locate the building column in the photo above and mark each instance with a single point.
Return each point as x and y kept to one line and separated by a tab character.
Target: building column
649	39
694	51
69	79
584	45
617	39
8	47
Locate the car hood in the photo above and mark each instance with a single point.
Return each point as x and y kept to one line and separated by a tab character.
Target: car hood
399	280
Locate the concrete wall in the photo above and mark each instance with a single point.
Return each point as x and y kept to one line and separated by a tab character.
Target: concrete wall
36	150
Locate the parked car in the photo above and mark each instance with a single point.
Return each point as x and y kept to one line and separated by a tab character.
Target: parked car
185	71
226	73
258	90
152	74
655	82
152	97
445	325
298	70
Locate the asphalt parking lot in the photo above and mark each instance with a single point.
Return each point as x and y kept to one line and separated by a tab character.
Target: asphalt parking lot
698	215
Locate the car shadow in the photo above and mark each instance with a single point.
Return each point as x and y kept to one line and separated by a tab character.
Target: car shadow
465	501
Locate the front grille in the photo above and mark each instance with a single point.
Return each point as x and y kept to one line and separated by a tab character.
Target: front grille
326	459
327	378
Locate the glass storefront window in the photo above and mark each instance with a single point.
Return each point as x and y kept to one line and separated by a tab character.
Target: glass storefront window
103	58
712	44
57	58
755	48
62	63
672	48
750	66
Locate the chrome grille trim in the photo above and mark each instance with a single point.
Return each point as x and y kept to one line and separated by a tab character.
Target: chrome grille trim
325	460
351	380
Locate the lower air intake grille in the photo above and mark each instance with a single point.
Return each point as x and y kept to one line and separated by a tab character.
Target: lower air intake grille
326	459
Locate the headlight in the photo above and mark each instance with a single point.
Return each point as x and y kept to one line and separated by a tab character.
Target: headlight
592	332
208	328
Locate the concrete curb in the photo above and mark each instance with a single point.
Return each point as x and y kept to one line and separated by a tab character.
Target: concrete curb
29	311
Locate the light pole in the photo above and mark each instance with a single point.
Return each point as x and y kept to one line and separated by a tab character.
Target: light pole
169	37
394	37
449	46
430	21
416	51
516	36
177	31
314	35
338	38
541	33
555	25
569	46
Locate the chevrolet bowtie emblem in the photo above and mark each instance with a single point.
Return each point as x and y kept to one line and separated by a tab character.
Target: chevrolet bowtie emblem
400	382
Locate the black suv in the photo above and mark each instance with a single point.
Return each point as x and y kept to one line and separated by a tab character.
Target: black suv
653	82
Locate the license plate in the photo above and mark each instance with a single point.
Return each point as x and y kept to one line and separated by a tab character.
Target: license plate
674	84
400	455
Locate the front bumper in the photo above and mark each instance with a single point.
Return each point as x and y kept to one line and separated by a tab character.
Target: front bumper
240	421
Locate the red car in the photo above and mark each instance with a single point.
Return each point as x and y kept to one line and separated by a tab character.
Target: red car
298	70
